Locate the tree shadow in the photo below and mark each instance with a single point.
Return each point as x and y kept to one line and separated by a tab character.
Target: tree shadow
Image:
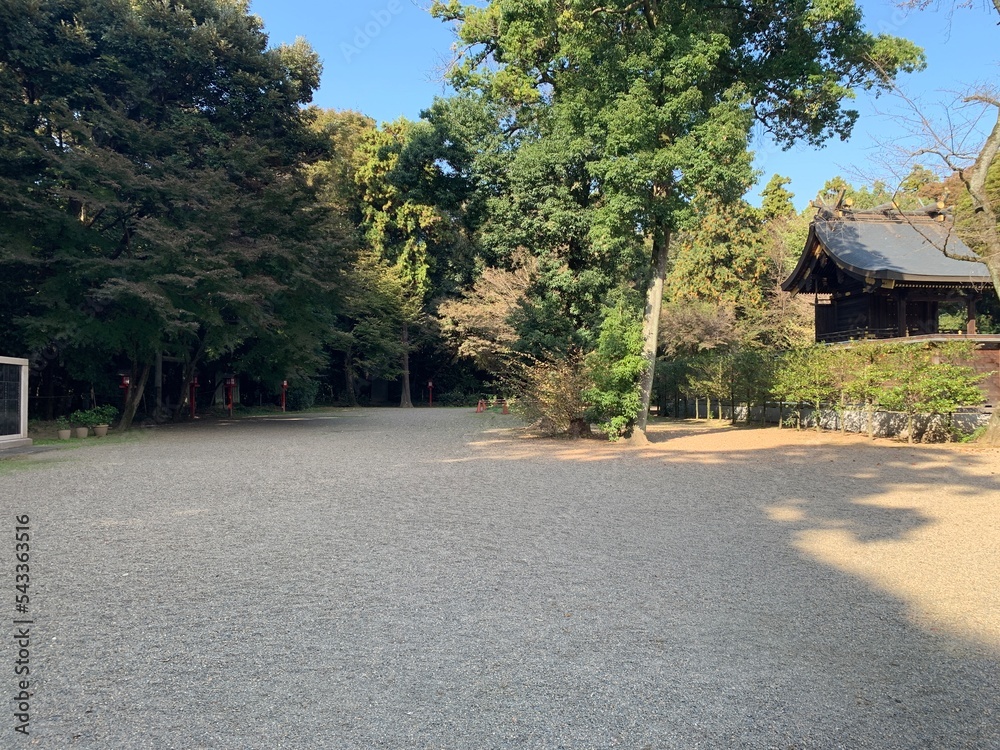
863	575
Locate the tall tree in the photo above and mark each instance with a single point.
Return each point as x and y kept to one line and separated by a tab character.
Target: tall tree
659	98
414	197
152	194
776	201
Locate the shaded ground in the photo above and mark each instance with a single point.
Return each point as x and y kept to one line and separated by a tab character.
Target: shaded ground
430	579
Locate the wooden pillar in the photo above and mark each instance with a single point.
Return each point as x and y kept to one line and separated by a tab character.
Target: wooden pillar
901	327
970	315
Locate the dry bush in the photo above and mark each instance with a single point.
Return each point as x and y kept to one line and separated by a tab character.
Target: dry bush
549	394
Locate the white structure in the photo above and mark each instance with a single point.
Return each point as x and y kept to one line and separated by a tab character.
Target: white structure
13	403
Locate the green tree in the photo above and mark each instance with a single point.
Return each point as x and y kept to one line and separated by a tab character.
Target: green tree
658	99
805	376
776	201
931	381
152	194
870	370
615	367
414	189
721	258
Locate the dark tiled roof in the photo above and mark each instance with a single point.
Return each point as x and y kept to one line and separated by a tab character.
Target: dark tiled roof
900	250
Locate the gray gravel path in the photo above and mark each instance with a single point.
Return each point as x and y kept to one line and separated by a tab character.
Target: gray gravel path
426	579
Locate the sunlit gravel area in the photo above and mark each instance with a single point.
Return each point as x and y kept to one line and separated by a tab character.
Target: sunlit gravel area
433	578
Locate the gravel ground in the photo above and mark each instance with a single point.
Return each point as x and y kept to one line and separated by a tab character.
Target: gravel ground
432	579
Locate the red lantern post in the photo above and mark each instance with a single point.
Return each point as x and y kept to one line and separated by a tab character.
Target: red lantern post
124	385
284	394
230	384
430	393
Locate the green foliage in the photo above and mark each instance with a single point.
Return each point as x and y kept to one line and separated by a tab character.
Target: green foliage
615	367
301	394
927	381
975	435
456	398
95	416
776	202
616	119
153	196
721	258
807	376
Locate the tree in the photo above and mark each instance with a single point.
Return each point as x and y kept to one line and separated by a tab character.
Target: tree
615	367
414	188
721	258
929	381
866	383
152	194
480	322
805	376
658	99
776	202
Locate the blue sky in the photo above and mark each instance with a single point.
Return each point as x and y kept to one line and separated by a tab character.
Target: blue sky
385	58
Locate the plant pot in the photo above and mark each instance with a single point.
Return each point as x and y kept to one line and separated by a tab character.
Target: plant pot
65	434
81	432
100	430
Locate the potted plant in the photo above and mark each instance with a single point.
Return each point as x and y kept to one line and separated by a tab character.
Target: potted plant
103	416
64	428
81	418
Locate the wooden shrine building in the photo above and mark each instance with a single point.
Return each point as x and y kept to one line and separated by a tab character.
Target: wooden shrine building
883	274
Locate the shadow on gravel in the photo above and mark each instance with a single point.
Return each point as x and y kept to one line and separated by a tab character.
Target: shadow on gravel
918	522
687	428
858	574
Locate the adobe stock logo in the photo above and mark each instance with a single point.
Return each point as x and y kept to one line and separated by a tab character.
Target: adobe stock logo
363	35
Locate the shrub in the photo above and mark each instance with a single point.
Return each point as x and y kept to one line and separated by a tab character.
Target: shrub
456	398
302	394
105	414
551	394
615	369
93	417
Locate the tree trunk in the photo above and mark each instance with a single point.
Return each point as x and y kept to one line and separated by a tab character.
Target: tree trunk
909	428
651	322
349	377
49	376
404	399
190	367
134	396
